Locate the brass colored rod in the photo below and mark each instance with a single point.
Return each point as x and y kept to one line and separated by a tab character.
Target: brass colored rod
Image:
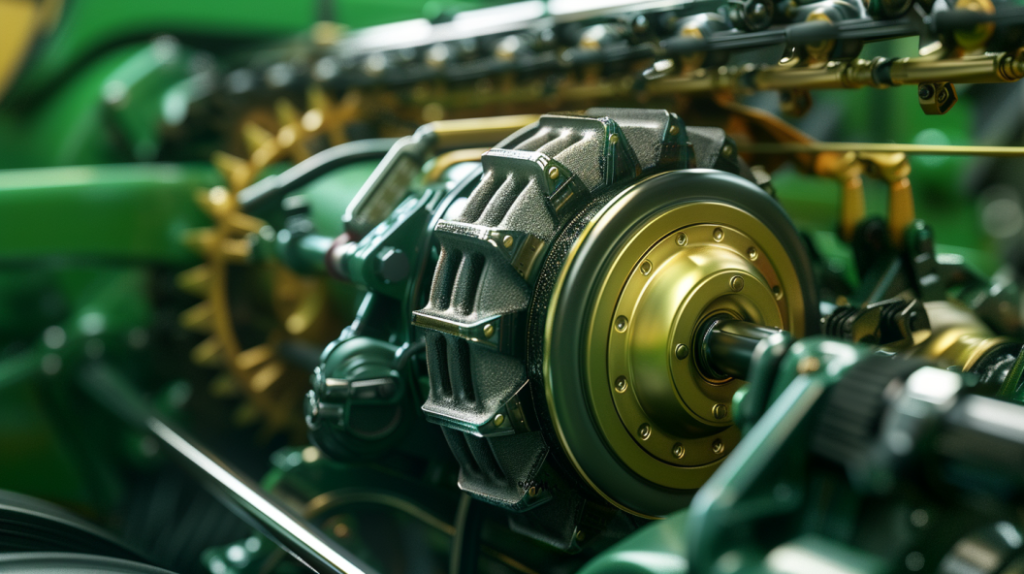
869	147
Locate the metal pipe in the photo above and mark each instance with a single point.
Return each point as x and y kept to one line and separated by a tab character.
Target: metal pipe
240	493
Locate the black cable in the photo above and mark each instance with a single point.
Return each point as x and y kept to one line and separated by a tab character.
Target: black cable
273	188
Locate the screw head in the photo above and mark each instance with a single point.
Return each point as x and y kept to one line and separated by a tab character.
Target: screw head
673	130
621	385
719	411
507	241
488	330
644	431
736	283
718	447
646	267
752	254
925	91
499	419
718	234
681	239
553	172
533	491
678	451
682	351
808	365
620	323
613	139
777	291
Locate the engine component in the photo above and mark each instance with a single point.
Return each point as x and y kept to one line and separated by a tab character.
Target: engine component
582	231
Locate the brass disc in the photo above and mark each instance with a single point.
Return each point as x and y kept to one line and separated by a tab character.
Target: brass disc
666	268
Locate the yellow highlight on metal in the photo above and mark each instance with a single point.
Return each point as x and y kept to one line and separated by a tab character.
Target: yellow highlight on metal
21	23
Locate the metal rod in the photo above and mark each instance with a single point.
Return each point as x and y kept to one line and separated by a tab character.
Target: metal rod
868	147
243	495
727	345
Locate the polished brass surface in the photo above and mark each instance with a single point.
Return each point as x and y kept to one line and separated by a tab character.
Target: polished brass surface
21	23
957	338
657	412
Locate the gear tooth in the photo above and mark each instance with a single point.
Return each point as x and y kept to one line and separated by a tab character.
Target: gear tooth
244	223
267	154
286	111
236	171
224	386
245	415
195	280
267	376
236	251
254	357
209	353
197	318
216	201
202	240
255	135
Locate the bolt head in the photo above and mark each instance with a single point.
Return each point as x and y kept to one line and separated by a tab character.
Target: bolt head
553	172
736	283
682	351
499	419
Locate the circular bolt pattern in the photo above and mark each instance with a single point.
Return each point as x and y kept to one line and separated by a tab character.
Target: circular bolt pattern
621	385
719	411
644	431
488	330
553	172
718	447
678	451
718	234
646	267
499	419
736	283
507	241
620	323
682	351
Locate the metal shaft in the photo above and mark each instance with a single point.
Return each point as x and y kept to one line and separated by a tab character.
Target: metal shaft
240	493
728	345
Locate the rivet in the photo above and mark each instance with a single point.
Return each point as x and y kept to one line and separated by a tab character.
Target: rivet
681	239
488	331
678	451
777	291
499	419
682	351
507	241
719	411
752	254
644	431
808	365
736	283
553	172
646	267
613	139
718	234
621	385
718	447
673	130
620	323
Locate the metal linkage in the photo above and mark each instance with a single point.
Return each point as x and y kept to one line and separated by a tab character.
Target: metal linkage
238	492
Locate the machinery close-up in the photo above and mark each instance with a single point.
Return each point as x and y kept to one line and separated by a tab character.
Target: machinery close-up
531	287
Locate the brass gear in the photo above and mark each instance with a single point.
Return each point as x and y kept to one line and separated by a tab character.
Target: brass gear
271	389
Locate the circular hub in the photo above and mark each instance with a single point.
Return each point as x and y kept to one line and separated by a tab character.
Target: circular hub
642	421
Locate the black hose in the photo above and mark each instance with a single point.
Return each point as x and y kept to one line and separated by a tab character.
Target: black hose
274	187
